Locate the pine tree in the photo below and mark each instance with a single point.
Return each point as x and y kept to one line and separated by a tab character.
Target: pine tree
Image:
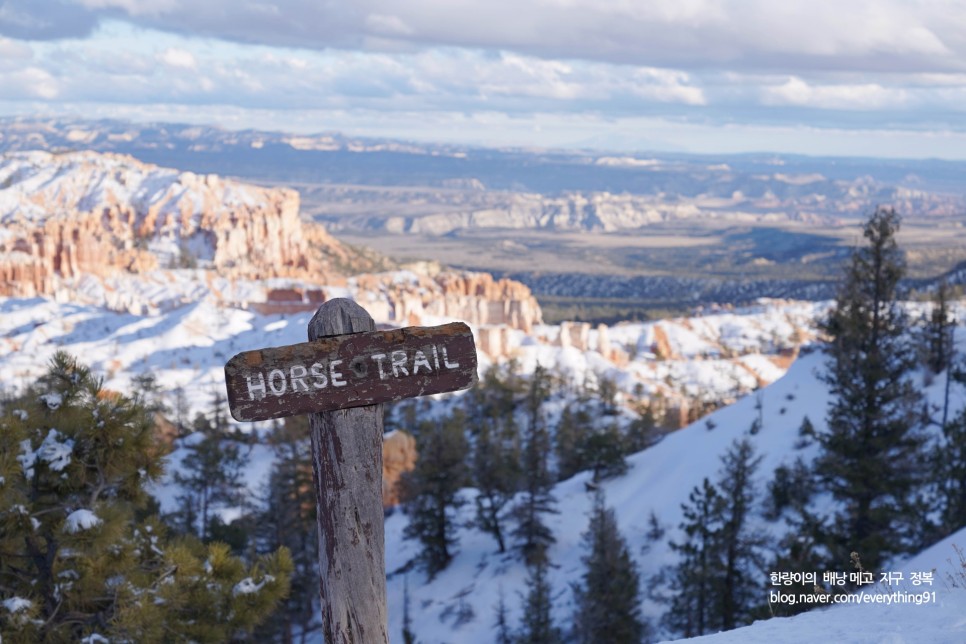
950	461
717	579
608	599
607	395
148	392
740	548
288	518
938	331
949	451
496	474
642	432
431	490
537	626
503	633
800	549
532	534
869	452
76	559
181	411
210	477
602	451
573	424
695	580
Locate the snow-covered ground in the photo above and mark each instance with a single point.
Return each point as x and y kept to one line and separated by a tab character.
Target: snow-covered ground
186	344
940	618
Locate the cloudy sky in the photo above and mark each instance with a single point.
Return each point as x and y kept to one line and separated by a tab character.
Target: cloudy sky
857	77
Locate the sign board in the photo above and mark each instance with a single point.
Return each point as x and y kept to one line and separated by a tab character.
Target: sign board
352	370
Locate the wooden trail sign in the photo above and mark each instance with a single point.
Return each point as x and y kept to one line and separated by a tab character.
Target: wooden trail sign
340	378
346	371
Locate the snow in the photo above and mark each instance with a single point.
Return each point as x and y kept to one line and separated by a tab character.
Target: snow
80	520
95	638
881	619
187	346
16	604
247	586
183	333
56	450
27	458
53	400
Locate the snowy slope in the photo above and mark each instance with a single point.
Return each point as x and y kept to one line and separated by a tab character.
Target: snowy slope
659	481
938	621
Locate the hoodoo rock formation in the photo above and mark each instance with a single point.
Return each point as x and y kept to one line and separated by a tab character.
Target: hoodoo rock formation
475	298
83	213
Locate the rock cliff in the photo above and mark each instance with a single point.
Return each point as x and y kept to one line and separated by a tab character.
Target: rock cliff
410	298
83	213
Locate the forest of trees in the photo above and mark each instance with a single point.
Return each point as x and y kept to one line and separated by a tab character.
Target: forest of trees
86	554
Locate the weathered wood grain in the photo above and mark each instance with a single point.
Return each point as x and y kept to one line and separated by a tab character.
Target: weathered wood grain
347	466
350	371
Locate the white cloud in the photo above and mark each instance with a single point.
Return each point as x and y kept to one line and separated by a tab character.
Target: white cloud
14	50
865	96
28	83
176	57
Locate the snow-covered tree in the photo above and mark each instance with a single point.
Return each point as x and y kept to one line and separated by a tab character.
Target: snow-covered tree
75	561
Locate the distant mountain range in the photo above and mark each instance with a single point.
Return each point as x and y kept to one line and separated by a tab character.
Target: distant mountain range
333	158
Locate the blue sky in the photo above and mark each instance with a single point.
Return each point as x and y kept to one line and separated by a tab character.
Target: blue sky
853	77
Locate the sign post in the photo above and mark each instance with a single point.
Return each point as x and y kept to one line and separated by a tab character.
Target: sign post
341	377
